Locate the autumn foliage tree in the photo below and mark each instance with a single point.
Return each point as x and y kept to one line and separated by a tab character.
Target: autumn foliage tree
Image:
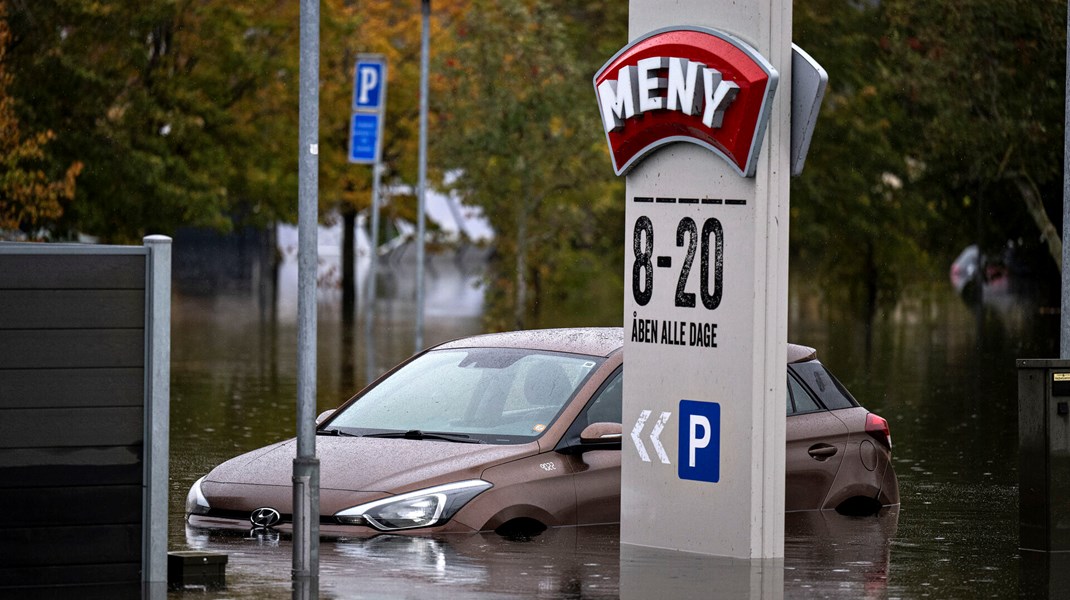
29	197
983	87
942	126
522	130
182	112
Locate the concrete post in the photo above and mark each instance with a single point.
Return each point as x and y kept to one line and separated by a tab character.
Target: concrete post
706	276
157	407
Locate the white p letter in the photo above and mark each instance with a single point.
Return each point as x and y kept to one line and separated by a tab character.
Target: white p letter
697	443
369	78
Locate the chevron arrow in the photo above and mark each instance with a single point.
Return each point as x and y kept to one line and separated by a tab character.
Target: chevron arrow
655	436
639	425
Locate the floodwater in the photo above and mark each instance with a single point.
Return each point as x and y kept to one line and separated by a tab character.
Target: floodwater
941	372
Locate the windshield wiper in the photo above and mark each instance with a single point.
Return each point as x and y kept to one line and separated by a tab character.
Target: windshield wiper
416	434
334	432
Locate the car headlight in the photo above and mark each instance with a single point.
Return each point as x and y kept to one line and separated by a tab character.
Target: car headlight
196	503
422	508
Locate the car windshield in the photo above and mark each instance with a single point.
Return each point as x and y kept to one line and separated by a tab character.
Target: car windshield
494	395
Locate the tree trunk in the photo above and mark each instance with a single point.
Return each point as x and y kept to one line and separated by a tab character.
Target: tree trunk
1035	206
349	280
521	298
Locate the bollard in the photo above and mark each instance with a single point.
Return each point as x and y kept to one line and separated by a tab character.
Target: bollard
1044	454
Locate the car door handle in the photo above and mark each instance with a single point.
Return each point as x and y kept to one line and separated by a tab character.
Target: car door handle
822	451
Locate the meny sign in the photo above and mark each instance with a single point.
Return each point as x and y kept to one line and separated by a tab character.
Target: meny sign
691	84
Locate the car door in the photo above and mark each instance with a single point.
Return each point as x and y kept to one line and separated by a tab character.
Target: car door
596	473
816	443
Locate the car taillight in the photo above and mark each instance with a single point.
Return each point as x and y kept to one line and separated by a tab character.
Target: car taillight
878	428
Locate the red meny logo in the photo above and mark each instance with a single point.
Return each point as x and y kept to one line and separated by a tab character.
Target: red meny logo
686	84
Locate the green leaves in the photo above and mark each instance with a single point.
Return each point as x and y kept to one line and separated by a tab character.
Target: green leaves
928	104
174	108
30	198
521	128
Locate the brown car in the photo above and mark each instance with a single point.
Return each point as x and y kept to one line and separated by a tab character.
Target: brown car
516	432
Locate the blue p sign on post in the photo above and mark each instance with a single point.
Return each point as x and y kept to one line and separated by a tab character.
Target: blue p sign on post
699	458
368	83
369	103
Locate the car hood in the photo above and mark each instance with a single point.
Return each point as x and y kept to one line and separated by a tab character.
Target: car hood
352	469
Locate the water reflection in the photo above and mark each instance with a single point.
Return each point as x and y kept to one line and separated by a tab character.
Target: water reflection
826	555
832	555
941	371
560	563
654	573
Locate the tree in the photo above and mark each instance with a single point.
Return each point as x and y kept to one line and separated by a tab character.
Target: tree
391	28
29	198
859	223
522	132
982	83
182	111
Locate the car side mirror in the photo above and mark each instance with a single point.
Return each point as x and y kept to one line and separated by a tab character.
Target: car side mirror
601	436
323	415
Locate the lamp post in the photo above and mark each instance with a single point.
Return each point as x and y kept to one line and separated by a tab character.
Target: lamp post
306	466
421	189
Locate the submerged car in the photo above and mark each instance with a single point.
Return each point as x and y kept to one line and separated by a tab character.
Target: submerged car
515	432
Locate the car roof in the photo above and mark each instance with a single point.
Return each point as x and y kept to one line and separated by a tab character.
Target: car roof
594	341
797	353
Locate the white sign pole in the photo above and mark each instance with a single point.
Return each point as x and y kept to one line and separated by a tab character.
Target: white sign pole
705	287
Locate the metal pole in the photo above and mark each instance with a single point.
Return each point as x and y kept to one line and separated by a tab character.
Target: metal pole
373	267
157	410
425	51
306	465
1064	339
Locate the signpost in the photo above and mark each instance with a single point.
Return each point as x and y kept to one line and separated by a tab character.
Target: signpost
696	110
366	144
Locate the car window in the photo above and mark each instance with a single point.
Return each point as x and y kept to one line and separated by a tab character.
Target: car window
606	408
789	404
823	385
803	401
498	395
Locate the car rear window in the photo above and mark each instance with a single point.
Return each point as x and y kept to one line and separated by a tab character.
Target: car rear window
823	385
800	400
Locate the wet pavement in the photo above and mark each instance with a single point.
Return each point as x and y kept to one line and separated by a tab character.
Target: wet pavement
940	371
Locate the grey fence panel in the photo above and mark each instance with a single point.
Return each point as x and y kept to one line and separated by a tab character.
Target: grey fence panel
71	348
72	576
71	545
75	362
25	388
72	467
46	269
71	427
70	309
52	506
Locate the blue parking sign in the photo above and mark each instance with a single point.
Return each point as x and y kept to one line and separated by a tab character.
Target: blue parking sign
368	84
364	138
699	457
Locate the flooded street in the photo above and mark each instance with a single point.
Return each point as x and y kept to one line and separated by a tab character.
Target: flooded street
943	375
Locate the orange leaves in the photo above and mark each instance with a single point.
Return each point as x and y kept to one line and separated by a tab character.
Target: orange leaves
28	196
